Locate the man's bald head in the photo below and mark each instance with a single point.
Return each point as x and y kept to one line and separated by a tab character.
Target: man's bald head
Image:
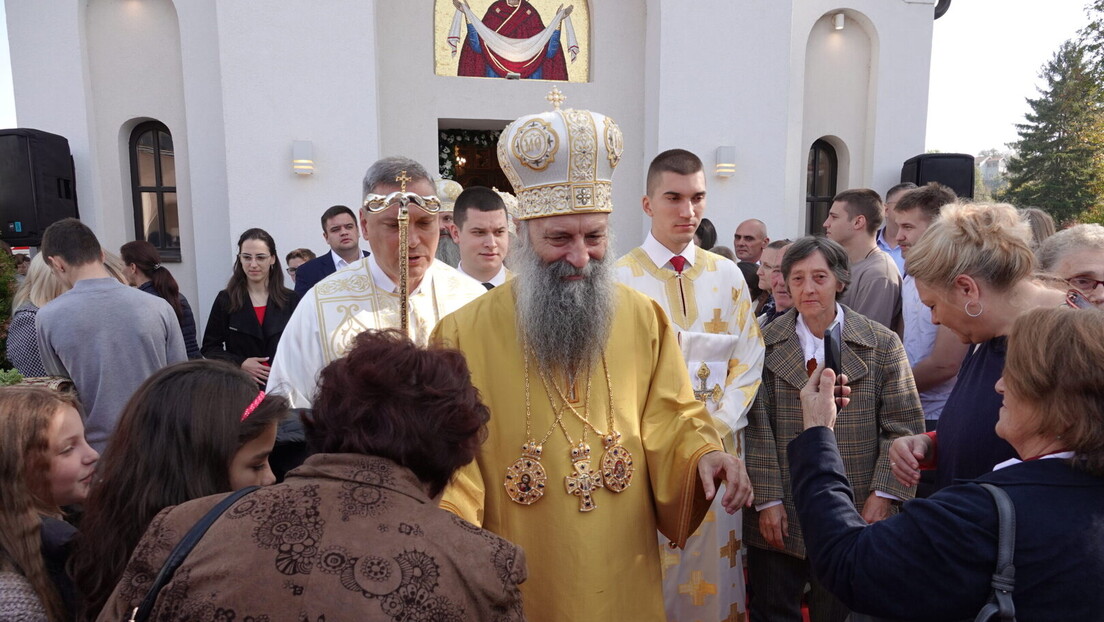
751	238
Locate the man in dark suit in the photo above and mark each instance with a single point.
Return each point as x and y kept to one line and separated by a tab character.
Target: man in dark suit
339	229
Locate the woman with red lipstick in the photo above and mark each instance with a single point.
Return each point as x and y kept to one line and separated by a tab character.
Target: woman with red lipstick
248	317
45	463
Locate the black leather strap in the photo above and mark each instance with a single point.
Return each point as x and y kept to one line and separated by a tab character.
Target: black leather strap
180	552
1000	606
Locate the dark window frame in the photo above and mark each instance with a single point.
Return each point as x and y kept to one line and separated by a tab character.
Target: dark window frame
159	190
817	205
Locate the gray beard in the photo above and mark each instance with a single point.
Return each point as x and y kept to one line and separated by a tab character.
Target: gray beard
565	324
448	252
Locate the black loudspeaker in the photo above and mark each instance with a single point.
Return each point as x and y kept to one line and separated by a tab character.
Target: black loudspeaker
954	170
37	186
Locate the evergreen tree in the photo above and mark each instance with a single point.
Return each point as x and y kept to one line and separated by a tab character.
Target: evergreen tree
1060	161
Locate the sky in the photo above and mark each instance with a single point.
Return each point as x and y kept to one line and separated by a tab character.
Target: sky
986	58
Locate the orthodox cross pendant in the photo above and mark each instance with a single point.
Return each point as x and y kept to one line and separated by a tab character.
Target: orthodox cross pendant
584	482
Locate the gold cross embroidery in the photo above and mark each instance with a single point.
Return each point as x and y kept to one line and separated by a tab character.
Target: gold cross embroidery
402	179
705	393
734	614
697	588
732	549
584	482
717	326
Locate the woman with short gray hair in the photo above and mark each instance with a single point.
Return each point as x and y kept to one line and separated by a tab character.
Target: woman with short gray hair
884	406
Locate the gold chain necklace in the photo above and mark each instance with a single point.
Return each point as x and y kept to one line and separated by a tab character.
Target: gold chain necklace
526	478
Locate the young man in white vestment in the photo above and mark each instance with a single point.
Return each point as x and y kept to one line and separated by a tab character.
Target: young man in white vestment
706	298
365	294
595	438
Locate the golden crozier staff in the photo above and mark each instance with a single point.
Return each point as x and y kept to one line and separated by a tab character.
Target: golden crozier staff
375	203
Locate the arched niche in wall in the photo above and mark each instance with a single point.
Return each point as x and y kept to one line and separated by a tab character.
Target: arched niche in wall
827	165
513	39
840	65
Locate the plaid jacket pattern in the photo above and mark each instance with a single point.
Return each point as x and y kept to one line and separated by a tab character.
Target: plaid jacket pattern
884	405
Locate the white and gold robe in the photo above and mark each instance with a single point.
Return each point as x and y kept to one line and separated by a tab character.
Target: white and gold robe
354	299
712	315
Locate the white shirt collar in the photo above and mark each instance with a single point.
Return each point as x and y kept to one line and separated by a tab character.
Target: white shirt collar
385	283
661	255
496	280
340	263
1064	455
811	345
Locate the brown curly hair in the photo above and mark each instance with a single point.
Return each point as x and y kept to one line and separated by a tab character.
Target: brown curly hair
391	398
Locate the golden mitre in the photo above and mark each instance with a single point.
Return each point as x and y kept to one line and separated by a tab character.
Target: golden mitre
447	191
561	162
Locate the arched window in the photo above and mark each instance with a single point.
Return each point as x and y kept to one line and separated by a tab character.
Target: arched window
820	185
153	181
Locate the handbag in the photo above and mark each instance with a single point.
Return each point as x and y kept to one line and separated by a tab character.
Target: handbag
1000	605
142	612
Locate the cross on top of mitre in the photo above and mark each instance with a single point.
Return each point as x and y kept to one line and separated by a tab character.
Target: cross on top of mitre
402	178
555	97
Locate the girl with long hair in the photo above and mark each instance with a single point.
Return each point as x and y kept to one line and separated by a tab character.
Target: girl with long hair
193	429
45	463
249	316
144	271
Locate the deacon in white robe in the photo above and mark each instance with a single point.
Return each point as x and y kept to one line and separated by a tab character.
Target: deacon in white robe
365	294
706	298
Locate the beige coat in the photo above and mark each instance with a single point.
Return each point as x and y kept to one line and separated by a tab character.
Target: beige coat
346	537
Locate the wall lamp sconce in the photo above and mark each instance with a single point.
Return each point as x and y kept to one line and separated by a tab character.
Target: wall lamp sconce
838	21
302	157
726	162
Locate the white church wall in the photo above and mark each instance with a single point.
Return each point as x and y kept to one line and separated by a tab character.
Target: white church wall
296	71
716	76
900	33
133	55
412	98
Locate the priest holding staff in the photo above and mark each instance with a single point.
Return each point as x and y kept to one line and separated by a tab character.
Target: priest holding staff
398	286
595	438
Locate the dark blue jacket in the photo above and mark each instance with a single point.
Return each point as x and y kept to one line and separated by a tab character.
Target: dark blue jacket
313	271
187	322
934	561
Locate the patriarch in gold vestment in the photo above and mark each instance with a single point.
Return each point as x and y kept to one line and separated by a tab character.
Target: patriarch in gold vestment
595	438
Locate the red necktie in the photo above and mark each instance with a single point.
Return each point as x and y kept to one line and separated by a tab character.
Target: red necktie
679	262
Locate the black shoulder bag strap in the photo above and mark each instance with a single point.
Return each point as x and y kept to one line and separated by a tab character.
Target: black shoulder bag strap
1000	605
142	612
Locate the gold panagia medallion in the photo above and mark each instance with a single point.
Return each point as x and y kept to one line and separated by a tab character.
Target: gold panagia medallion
617	463
526	478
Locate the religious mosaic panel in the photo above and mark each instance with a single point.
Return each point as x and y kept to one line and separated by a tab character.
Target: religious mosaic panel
513	39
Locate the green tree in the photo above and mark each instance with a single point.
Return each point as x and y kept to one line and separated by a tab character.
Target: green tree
1059	165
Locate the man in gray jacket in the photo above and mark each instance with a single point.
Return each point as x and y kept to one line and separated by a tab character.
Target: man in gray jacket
106	336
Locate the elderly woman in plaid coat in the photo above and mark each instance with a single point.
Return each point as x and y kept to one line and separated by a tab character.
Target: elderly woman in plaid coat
884	405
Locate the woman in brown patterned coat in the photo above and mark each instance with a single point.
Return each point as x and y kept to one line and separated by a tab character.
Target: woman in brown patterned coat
355	533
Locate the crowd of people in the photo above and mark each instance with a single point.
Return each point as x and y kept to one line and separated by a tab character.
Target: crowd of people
505	420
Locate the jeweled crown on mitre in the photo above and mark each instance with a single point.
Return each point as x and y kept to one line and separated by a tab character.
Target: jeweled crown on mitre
562	161
447	191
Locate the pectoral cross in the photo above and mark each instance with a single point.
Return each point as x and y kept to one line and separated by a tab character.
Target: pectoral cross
705	393
402	178
584	482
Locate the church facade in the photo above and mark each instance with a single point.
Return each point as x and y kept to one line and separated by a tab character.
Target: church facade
184	117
